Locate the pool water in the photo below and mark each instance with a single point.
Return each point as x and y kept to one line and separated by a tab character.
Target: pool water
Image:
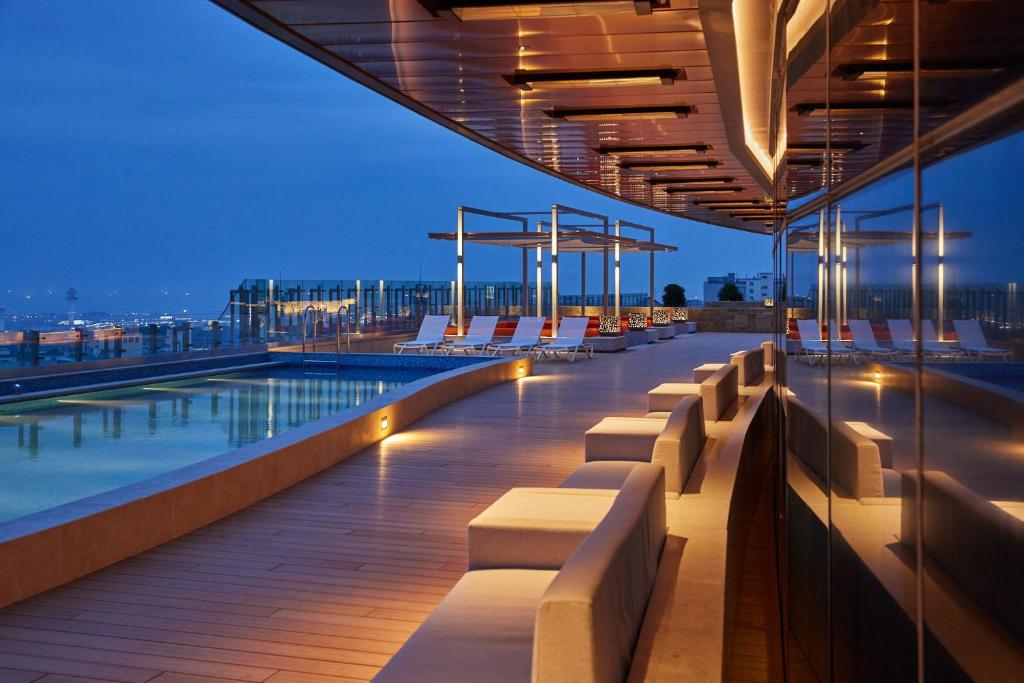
64	449
1006	375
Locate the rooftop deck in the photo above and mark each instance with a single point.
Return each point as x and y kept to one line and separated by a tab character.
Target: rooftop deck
324	581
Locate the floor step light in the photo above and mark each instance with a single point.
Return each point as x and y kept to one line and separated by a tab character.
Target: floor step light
484	10
616	78
679	111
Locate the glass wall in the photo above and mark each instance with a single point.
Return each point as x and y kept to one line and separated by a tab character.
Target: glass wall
902	465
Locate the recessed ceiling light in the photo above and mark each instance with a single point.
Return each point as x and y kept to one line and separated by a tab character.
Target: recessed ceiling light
877	69
680	111
722	204
668	165
615	78
858	108
626	151
692	182
491	10
703	190
815	147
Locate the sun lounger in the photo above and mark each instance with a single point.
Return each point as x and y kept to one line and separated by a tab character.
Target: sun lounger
972	340
814	348
430	337
479	335
865	342
903	339
571	332
524	339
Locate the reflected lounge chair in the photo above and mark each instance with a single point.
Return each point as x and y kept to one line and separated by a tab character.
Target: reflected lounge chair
810	341
903	339
972	340
524	339
865	342
841	347
571	332
430	337
479	335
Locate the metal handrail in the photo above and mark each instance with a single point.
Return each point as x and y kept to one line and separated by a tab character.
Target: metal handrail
348	336
304	314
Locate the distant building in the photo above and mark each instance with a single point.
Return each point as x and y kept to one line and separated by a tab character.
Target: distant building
756	288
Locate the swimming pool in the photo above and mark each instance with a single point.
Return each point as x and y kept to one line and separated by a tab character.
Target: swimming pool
63	449
1006	375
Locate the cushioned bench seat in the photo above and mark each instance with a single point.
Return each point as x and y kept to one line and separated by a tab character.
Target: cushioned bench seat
535	528
749	364
616	438
678	442
601	474
580	623
719	391
482	631
702	372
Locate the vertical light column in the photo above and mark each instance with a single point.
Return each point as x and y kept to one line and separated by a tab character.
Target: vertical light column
459	275
846	290
821	266
651	268
837	258
583	283
540	274
618	256
554	270
380	301
604	299
359	304
941	301
451	300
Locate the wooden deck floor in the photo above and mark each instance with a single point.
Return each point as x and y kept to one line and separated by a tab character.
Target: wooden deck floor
324	581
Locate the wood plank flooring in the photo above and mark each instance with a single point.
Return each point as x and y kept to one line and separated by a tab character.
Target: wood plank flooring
326	580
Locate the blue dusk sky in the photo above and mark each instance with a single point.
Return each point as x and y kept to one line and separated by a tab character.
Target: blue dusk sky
154	154
150	147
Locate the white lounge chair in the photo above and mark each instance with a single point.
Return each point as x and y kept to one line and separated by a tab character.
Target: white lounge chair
479	335
524	339
903	339
430	337
935	345
571	333
841	347
865	342
972	340
814	348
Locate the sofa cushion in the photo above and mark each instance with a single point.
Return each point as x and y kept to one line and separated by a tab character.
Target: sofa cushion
681	442
702	372
749	364
535	528
664	397
978	544
622	438
856	466
602	474
483	630
589	619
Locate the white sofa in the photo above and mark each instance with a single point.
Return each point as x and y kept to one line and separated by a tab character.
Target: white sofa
719	392
675	443
577	623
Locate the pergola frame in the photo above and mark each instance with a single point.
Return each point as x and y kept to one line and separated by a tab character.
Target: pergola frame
619	224
586	241
460	273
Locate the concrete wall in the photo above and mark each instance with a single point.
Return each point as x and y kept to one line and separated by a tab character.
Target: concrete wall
740	316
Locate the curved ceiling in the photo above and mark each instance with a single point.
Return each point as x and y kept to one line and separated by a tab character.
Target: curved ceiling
618	97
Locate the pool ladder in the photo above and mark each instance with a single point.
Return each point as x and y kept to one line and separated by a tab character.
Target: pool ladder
316	317
342	311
